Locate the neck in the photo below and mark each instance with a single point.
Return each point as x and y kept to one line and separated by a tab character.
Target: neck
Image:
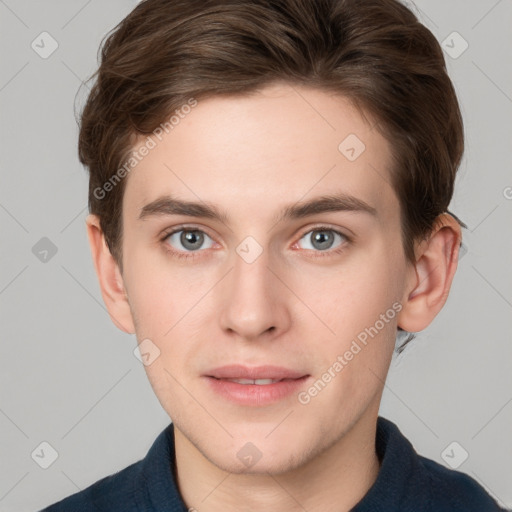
334	480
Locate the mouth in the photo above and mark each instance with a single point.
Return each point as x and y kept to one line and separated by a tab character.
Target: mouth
259	386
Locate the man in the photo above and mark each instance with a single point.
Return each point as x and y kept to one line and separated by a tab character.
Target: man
269	192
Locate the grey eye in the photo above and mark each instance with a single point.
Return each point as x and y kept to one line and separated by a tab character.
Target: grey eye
321	239
190	240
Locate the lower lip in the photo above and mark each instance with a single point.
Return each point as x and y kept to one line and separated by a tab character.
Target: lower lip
254	394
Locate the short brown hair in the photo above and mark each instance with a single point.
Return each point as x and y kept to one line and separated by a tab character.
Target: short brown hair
374	52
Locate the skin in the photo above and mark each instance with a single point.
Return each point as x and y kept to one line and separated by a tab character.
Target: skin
251	156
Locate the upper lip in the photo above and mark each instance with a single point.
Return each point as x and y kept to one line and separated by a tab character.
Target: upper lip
238	371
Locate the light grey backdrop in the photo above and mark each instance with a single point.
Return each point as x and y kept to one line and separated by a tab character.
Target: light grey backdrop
69	377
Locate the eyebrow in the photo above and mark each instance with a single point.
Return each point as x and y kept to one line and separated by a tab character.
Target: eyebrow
169	205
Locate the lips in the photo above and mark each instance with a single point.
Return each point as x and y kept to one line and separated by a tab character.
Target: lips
259	386
256	386
261	375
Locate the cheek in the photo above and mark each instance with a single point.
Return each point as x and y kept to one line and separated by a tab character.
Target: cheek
170	307
346	299
357	305
161	292
356	348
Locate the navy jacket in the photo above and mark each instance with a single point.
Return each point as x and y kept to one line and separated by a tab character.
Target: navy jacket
407	482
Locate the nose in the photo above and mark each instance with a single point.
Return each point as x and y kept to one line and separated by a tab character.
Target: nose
253	301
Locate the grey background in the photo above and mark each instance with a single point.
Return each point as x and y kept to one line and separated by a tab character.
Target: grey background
70	378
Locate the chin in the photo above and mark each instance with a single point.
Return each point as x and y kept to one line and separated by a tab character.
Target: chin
262	462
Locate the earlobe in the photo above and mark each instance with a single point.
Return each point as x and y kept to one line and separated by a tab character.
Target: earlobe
109	276
430	279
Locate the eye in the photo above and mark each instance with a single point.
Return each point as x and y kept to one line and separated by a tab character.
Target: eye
323	238
189	239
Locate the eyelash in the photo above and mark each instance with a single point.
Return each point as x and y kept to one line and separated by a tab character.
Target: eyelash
195	254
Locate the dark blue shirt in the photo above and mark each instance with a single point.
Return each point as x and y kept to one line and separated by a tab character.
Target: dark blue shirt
407	482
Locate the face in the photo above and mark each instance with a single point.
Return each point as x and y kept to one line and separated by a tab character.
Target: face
268	280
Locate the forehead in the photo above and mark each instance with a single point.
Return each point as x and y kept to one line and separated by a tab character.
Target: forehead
263	151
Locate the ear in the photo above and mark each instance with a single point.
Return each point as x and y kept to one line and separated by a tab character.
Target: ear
430	278
109	276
